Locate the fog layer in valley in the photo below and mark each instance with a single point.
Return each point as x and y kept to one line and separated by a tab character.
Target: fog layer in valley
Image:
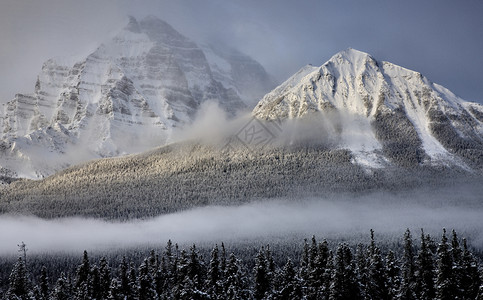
332	217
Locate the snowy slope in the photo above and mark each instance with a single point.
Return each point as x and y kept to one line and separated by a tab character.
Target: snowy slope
383	111
125	97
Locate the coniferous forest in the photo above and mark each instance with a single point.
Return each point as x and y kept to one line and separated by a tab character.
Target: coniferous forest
420	268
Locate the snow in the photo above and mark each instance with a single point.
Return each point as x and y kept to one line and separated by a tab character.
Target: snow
354	83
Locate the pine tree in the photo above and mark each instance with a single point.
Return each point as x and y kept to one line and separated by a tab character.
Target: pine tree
19	282
407	287
115	292
344	283
425	270
43	284
104	277
262	282
82	278
214	286
124	277
94	285
61	289
445	289
376	284
146	290
287	283
471	278
393	273
362	268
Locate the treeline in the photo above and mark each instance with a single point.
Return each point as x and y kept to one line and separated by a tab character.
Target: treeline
444	270
183	176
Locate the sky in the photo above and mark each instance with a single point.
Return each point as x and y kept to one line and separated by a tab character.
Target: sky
441	39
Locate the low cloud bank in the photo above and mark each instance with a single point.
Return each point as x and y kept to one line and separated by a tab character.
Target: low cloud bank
325	218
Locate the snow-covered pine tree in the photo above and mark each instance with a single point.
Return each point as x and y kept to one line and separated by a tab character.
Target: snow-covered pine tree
393	275
104	277
262	282
470	280
62	289
445	289
407	287
19	282
344	282
213	282
425	270
146	290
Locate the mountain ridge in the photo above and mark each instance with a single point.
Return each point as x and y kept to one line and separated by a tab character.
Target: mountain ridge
393	100
125	97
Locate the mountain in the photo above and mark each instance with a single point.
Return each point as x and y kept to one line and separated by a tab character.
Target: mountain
352	126
127	96
381	112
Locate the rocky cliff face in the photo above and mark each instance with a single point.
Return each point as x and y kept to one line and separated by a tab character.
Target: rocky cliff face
127	96
381	111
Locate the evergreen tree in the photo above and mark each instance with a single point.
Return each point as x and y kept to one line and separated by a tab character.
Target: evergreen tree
407	287
445	289
146	290
104	278
470	276
393	273
94	285
425	270
214	285
235	284
82	278
262	282
19	282
61	289
344	283
362	268
43	284
287	283
124	277
115	290
376	283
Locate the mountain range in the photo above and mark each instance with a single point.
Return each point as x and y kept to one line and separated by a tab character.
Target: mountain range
127	96
352	125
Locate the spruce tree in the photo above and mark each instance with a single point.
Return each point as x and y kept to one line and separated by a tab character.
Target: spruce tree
262	282
407	287
425	270
19	283
104	277
393	275
344	283
43	284
470	280
213	284
146	290
61	290
445	289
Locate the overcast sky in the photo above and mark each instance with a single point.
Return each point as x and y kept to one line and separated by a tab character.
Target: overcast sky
441	39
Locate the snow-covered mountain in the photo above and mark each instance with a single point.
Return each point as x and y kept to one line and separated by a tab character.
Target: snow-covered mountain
381	112
127	96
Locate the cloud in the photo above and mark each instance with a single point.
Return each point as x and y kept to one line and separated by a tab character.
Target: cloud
331	217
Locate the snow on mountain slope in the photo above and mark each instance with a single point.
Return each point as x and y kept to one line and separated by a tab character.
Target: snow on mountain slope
382	111
127	96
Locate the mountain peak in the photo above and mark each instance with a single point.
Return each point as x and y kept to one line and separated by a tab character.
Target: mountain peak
401	109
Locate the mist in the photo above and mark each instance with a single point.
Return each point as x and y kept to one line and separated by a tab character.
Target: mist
332	217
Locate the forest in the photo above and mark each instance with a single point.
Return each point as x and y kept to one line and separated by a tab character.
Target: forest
413	269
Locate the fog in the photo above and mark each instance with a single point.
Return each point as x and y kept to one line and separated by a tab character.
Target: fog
333	217
440	39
